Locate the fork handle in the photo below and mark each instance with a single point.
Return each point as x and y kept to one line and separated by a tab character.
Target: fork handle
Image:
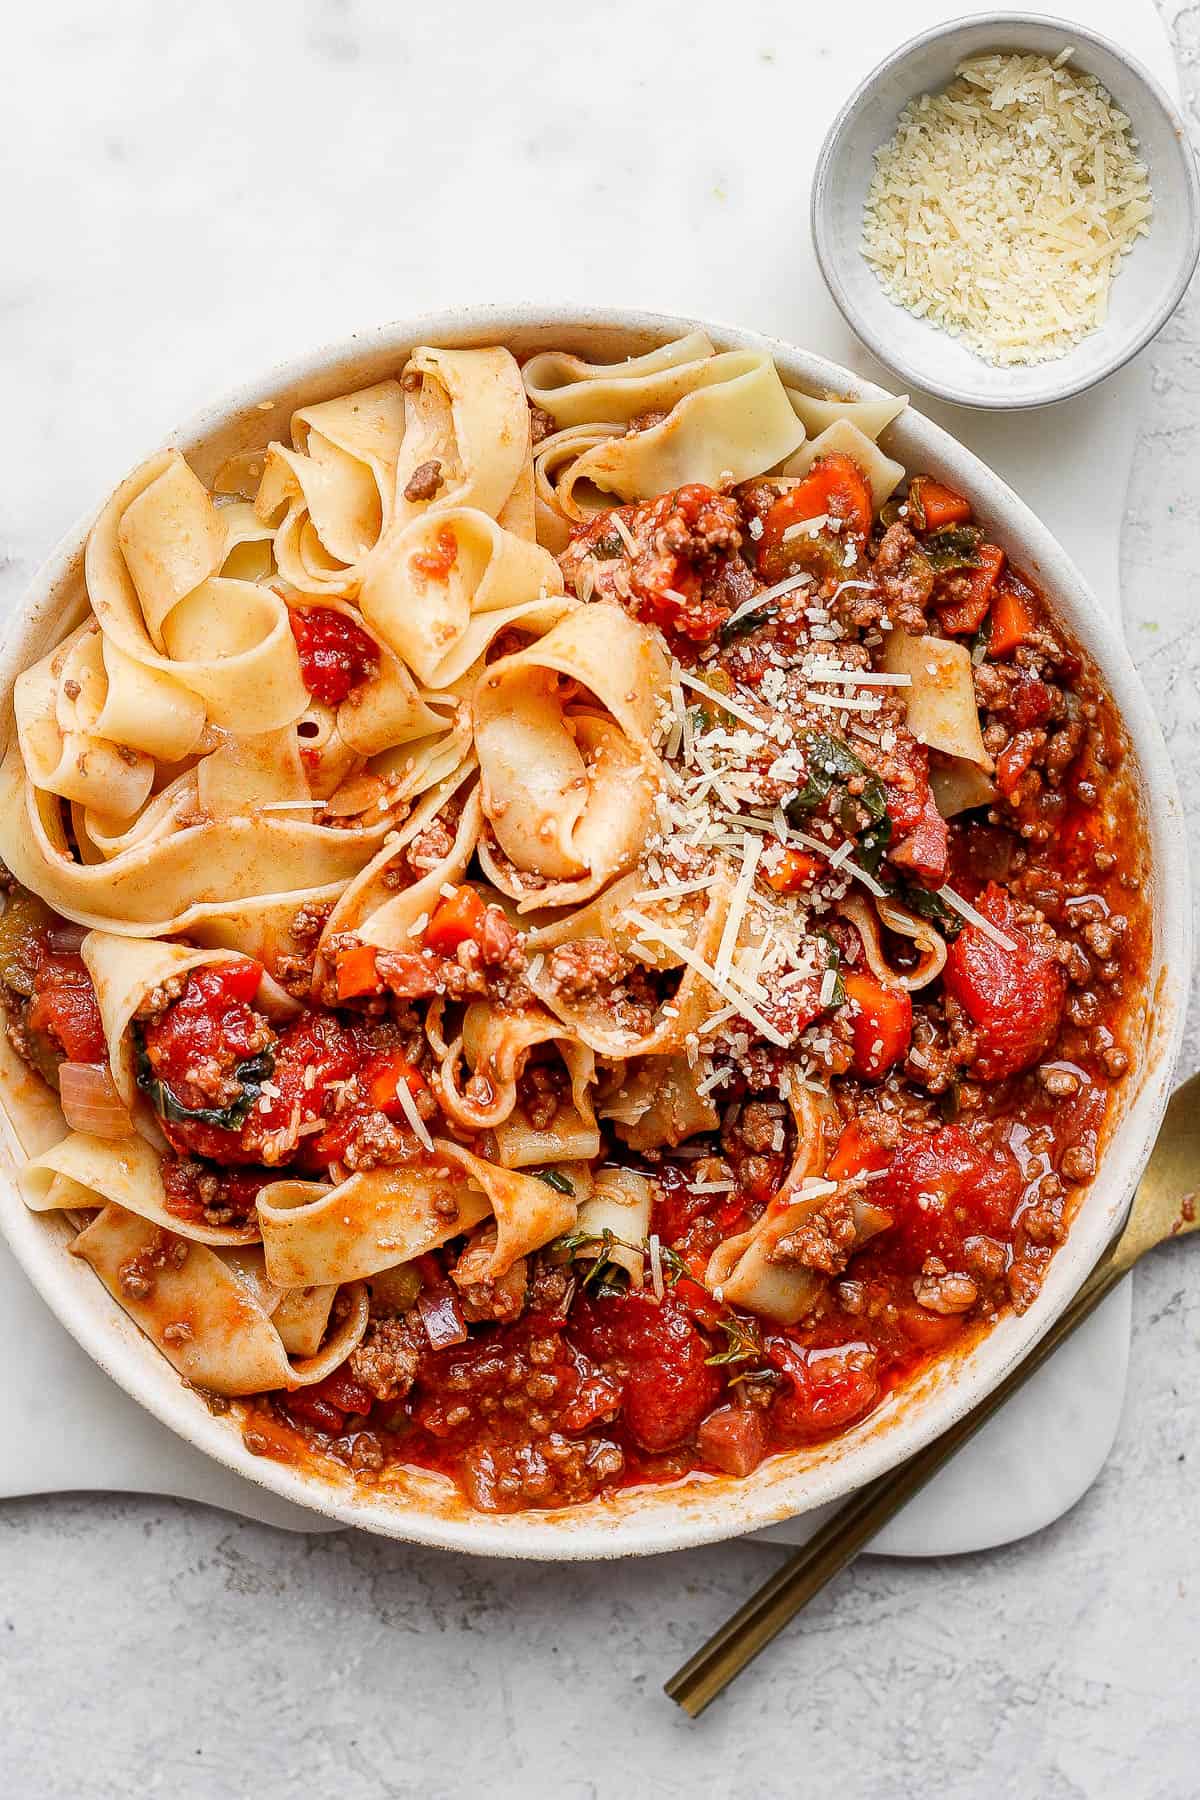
863	1516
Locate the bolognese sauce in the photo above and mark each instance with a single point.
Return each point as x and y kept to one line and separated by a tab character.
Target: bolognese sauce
948	1053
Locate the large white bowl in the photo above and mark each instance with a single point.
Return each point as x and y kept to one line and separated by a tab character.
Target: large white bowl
423	1508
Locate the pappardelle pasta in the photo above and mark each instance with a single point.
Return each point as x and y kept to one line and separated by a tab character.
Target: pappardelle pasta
582	921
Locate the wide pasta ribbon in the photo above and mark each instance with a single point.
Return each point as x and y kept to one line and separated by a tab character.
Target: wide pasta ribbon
153	569
382	1217
467	429
690	942
381	906
215	1315
85	1173
438	592
175	872
496	1046
733	421
329	496
569	777
743	1271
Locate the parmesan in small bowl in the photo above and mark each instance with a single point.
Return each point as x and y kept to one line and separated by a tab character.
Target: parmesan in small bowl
1007	210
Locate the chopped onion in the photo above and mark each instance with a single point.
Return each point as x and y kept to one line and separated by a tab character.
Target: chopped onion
66	937
442	1318
90	1101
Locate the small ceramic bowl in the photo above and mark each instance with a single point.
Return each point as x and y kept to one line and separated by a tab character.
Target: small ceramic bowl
1149	283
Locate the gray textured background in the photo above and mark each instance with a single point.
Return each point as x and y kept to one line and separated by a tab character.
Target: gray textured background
154	1648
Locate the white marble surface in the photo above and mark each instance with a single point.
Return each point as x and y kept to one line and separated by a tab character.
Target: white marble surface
152	1647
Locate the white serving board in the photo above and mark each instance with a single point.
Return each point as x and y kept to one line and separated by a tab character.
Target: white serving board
619	152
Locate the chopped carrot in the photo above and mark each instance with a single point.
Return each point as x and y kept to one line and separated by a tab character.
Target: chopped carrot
455	921
1012	620
934	506
382	1078
835	484
855	1153
357	972
963	617
795	869
880	1023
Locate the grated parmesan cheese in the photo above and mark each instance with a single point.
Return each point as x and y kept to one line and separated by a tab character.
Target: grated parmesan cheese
1003	205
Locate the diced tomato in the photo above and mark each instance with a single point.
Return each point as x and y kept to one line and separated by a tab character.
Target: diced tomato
1013	617
942	1188
855	1153
212	1021
928	1330
238	1189
826	1390
64	1008
933	506
963	616
733	1439
357	972
1082	833
925	851
336	655
1013	998
795	870
920	841
382	1077
596	1397
659	1357
1014	760
1030	701
690	1293
345	1391
880	1023
313	1410
455	921
436	564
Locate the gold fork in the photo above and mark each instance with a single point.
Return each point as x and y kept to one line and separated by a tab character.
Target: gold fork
1166	1205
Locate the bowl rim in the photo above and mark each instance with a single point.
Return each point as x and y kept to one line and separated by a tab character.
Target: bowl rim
830	263
694	1512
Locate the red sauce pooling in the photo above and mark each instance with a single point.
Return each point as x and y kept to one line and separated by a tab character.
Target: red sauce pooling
336	655
436	564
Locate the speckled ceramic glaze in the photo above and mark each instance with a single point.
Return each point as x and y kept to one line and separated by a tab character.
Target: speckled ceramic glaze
423	1508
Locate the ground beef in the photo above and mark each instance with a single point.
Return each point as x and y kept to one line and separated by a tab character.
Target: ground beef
429	848
675	562
591	969
558	1471
758	1124
424	481
137	1274
904	578
541	424
825	1241
944	1291
159	997
373	1142
387	1360
496	1299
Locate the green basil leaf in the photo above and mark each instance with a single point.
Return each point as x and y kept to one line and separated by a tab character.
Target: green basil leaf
929	906
251	1074
954	547
736	628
